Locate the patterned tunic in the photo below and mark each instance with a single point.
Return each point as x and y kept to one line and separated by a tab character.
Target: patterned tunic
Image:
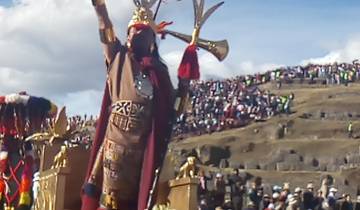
128	128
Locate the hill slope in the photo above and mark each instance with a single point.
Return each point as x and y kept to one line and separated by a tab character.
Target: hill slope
301	147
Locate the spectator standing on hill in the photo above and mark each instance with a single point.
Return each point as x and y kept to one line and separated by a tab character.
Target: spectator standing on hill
308	196
219	194
203	205
292	203
350	130
331	199
203	188
319	200
265	202
357	204
255	193
285	191
347	204
237	190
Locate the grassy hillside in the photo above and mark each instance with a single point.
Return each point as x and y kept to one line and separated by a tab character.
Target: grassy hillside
315	135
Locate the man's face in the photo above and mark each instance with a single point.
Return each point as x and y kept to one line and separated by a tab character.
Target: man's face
348	198
237	172
140	38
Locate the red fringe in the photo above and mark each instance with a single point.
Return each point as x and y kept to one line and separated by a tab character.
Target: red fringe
26	178
141	26
2	186
189	66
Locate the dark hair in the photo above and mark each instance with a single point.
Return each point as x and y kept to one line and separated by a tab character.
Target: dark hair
155	51
156	55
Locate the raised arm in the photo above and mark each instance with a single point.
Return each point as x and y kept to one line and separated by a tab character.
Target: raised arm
108	37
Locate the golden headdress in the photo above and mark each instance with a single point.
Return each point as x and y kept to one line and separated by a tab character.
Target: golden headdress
143	16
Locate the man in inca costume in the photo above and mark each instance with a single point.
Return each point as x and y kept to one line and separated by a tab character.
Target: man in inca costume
137	112
20	116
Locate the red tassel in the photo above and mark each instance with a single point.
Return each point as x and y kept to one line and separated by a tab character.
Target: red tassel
25	185
189	66
3	165
2	186
89	203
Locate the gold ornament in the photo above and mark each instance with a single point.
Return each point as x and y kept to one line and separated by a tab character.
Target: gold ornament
25	199
188	169
61	159
143	16
60	130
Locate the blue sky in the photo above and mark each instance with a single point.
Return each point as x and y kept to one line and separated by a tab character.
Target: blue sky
58	38
280	31
5	3
287	31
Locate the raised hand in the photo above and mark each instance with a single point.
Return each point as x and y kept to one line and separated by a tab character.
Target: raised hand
107	34
97	2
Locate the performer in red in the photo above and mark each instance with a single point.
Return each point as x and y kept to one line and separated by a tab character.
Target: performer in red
137	112
136	116
20	116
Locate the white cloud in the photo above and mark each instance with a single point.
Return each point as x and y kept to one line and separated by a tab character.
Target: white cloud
348	53
13	80
50	48
82	102
210	67
248	67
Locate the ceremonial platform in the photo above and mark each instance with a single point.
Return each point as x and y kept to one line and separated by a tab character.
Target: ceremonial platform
59	187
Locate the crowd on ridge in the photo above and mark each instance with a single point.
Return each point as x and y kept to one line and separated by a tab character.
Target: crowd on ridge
222	104
330	74
218	105
234	193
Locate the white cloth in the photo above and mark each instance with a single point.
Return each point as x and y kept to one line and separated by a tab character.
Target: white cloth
16	99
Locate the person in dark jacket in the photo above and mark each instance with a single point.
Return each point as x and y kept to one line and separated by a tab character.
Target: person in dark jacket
357	204
308	197
237	189
347	204
203	187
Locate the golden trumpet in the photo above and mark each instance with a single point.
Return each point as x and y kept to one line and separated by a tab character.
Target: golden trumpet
219	49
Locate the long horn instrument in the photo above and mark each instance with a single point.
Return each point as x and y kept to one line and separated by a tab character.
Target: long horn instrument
219	49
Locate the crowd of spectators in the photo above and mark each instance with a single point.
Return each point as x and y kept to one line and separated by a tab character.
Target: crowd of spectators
233	192
217	105
331	74
84	129
335	74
